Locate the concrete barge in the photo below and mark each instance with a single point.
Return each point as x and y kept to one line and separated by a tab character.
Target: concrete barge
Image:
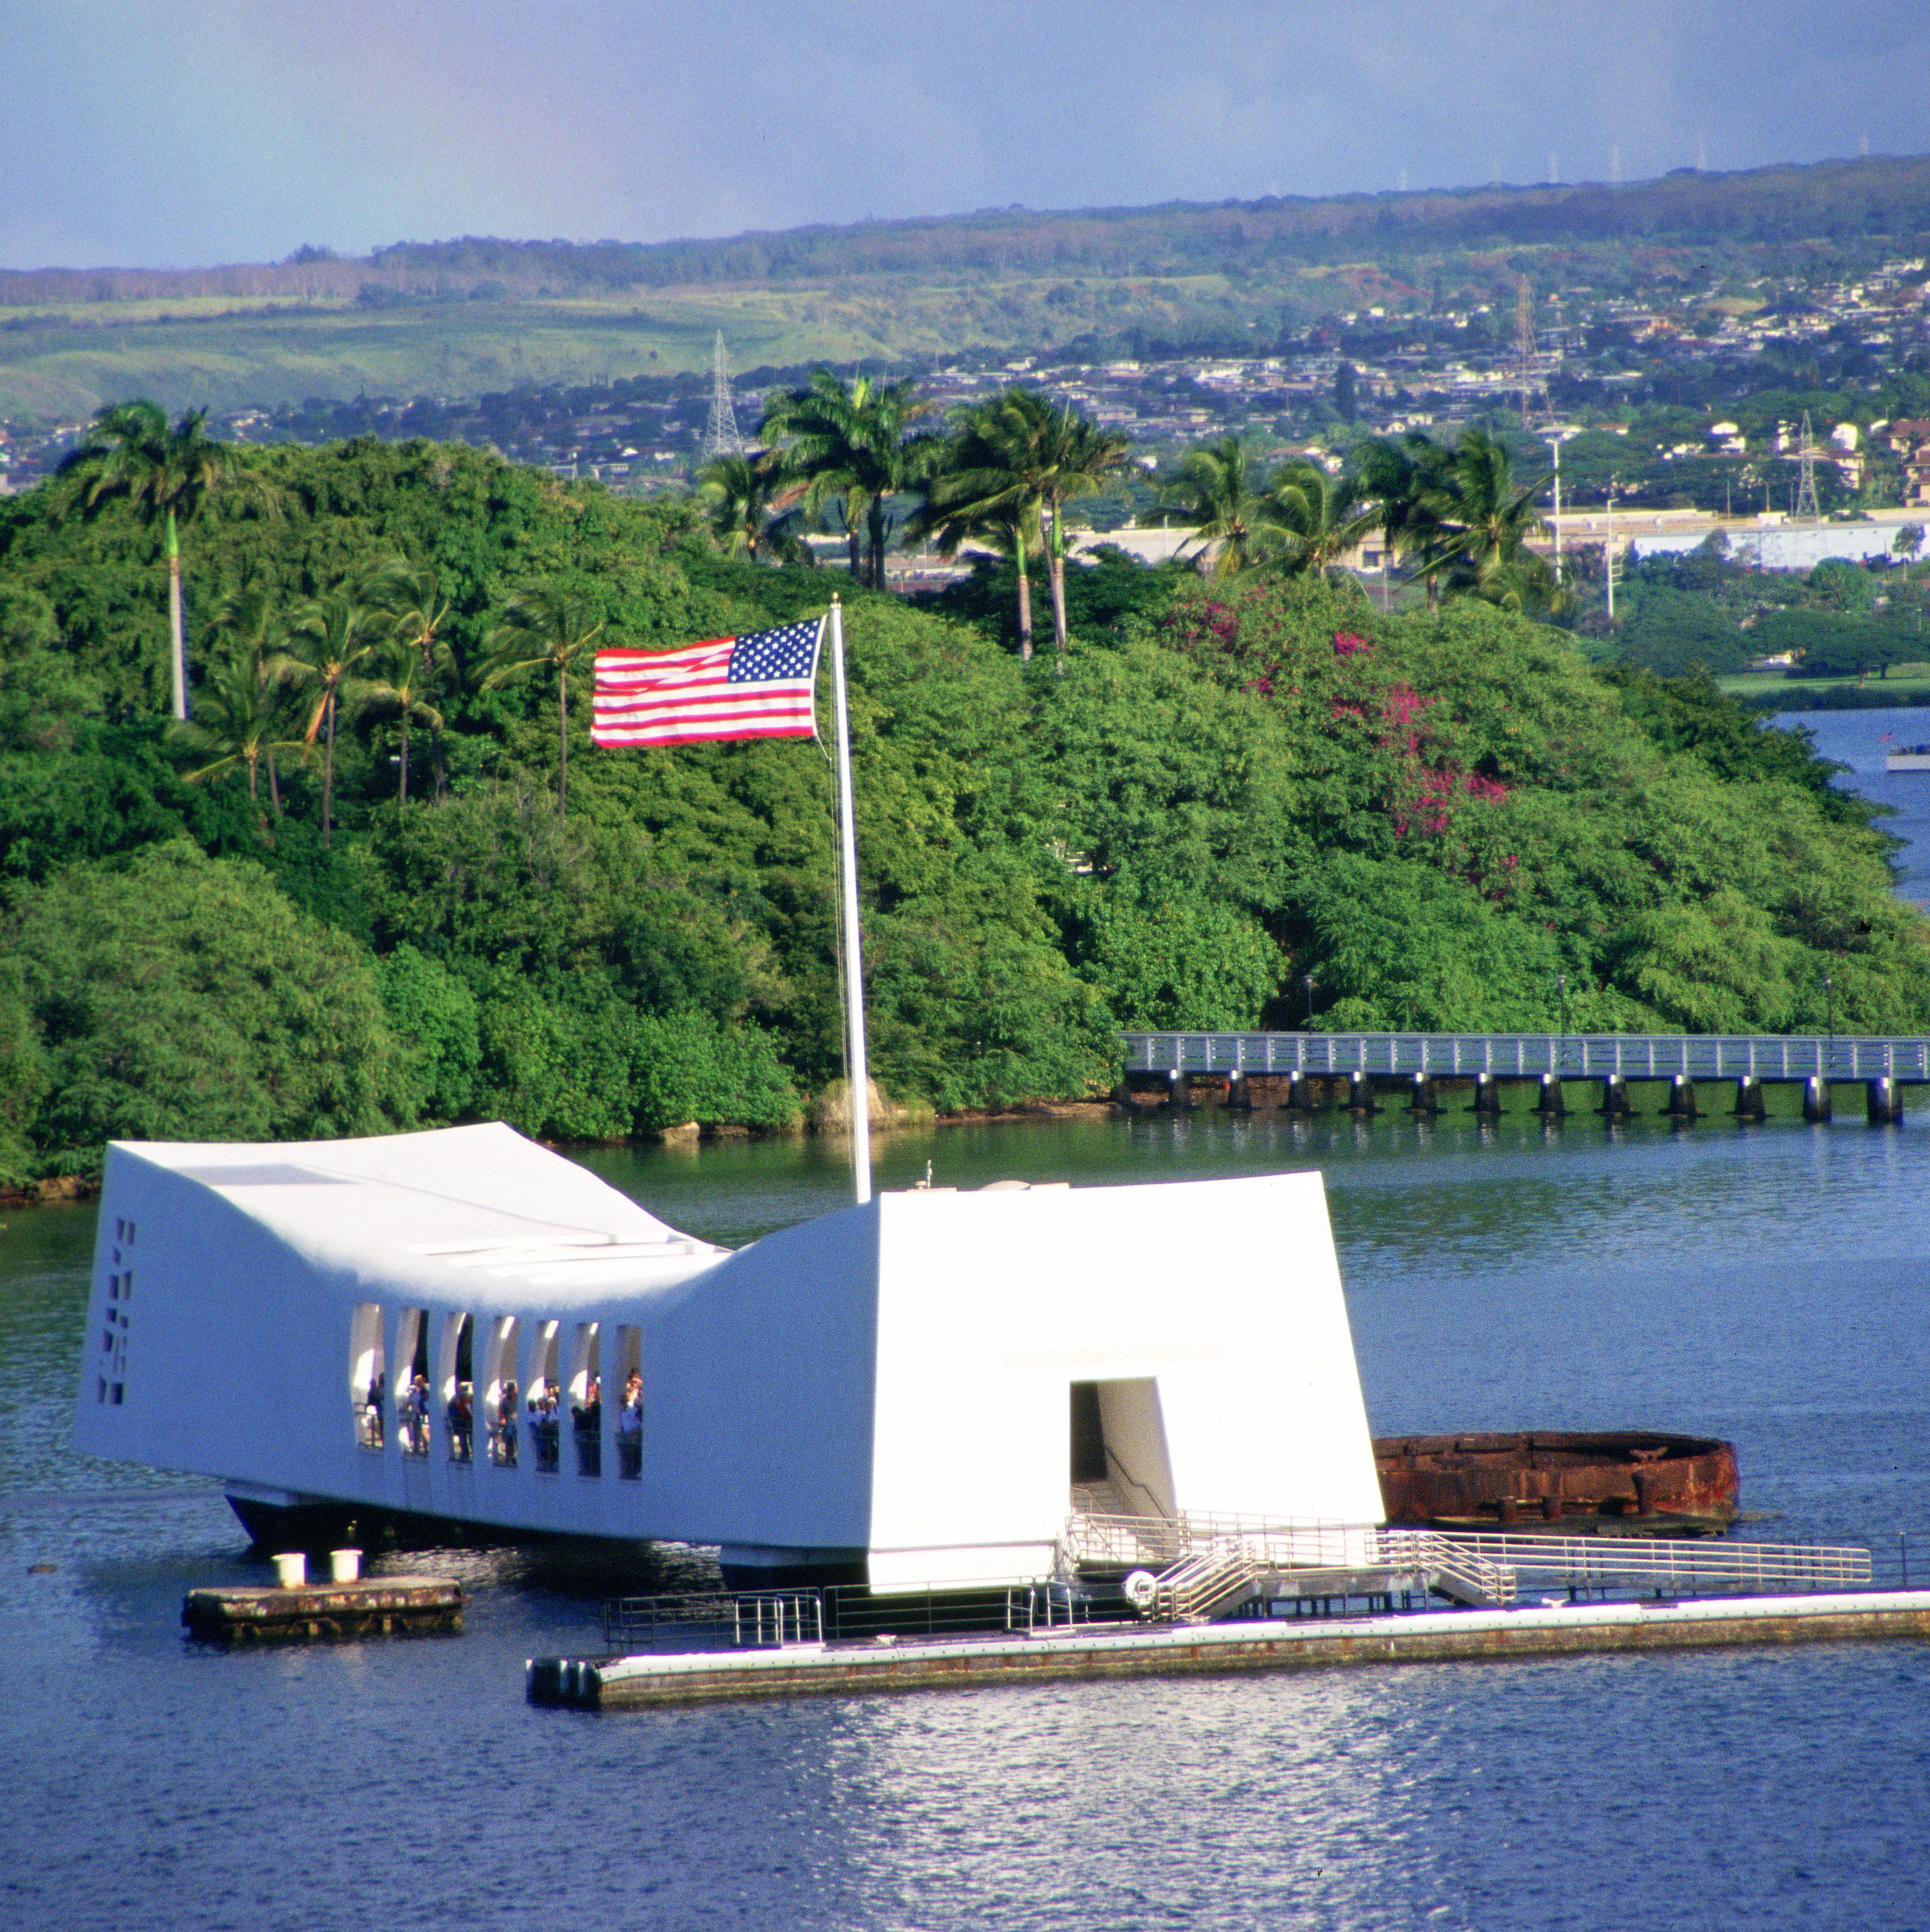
1097	1650
394	1605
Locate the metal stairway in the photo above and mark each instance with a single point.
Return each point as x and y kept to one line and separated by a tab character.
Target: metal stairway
1203	1582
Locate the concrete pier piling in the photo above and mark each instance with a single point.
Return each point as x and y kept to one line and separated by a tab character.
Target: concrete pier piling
1550	1102
1615	1105
1815	1099
1750	1105
1178	1094
1239	1100
1299	1094
1885	1101
381	1606
1681	1098
1487	1094
1360	1094
1422	1098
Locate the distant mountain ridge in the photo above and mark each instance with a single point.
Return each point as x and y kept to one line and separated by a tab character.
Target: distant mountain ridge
1832	201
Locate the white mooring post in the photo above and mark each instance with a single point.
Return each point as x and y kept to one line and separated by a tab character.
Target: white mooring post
854	956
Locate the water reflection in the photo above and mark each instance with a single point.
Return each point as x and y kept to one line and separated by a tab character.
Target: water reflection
1767	1284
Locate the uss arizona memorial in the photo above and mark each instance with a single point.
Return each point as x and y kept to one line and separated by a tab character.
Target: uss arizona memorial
914	1392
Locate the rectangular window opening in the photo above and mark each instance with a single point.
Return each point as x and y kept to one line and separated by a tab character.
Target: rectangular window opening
500	1394
412	1394
546	1399
455	1385
629	1366
368	1380
586	1398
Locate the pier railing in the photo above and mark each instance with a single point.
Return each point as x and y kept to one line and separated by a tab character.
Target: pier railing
1527	1056
1198	1558
750	1619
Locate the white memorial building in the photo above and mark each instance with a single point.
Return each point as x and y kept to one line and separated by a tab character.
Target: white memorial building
915	1392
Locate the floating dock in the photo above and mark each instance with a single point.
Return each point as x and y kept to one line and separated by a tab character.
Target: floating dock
1099	1651
391	1606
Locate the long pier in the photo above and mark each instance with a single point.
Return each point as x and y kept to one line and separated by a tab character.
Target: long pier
1290	1069
1520	1056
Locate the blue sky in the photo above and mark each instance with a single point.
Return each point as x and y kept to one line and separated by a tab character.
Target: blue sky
220	131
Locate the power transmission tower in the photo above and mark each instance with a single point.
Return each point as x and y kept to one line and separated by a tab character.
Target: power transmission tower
1806	507
720	434
1528	379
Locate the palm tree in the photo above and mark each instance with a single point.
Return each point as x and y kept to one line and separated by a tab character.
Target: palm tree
328	640
751	507
984	488
420	616
402	676
1014	463
241	717
852	445
1324	517
1218	491
1478	522
1076	458
246	621
543	624
168	477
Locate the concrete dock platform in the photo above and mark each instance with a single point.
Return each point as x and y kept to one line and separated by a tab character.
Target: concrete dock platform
1128	1650
392	1606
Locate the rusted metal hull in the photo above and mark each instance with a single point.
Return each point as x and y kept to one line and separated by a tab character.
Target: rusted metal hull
1627	1480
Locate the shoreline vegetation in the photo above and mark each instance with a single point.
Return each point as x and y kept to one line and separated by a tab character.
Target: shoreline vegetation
350	893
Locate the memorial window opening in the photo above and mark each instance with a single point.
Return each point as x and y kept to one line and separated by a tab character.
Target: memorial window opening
455	1386
368	1381
545	1401
413	1397
627	1373
586	1398
502	1394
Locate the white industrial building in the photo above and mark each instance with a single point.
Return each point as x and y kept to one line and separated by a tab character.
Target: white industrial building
916	1391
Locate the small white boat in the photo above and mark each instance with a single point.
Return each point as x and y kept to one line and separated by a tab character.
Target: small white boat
1908	758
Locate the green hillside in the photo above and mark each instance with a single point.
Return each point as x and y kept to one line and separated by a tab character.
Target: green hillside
464	316
1435	816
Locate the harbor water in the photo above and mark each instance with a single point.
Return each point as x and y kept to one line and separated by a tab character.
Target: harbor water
1769	1284
1859	740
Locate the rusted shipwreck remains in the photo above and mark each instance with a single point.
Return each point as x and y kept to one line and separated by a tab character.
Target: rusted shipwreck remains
1618	1481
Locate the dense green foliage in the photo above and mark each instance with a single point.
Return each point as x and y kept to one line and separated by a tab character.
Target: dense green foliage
1224	789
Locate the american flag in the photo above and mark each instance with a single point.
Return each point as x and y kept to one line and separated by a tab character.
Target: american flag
758	685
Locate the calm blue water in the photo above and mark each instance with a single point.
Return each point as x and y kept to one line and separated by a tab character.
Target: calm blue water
1769	1284
1859	740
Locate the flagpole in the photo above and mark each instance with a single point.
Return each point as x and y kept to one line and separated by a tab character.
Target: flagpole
854	958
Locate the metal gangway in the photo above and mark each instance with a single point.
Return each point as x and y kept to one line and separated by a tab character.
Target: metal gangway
1192	1566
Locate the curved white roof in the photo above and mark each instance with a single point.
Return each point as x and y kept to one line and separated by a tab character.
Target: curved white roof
481	1199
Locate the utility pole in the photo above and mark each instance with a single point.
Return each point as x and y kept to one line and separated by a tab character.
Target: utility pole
720	434
1524	346
1555	438
1608	552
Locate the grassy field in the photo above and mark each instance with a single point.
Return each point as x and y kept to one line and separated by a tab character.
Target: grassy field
60	361
1906	684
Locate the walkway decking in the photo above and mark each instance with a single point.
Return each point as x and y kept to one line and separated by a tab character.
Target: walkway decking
1101	1651
1527	1056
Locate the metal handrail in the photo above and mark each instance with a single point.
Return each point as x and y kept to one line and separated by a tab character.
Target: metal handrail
1595	1559
1482	1566
1573	1056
